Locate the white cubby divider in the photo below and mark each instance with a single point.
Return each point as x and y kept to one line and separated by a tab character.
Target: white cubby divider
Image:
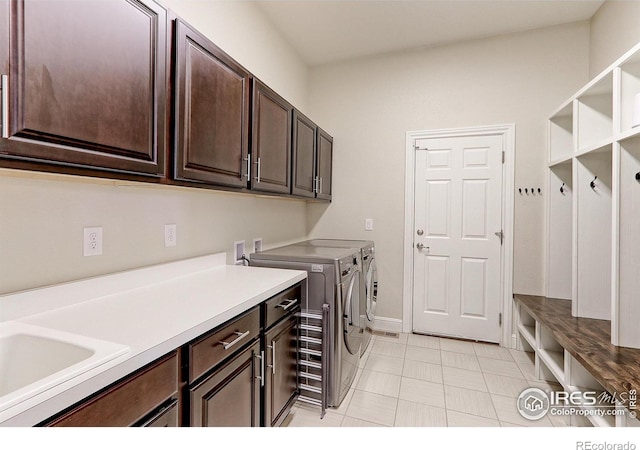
596	133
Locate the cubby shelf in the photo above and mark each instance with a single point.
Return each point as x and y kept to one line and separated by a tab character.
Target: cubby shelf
593	225
567	351
528	333
554	360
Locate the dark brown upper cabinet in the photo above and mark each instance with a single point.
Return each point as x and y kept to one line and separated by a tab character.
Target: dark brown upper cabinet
211	112
324	161
271	141
304	156
312	159
84	85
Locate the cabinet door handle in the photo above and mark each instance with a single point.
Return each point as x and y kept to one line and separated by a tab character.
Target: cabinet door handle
320	188
258	170
228	345
261	376
5	106
273	357
288	304
248	160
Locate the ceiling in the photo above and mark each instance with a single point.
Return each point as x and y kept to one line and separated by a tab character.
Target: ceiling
327	31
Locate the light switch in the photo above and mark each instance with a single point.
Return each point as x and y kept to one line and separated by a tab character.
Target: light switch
368	224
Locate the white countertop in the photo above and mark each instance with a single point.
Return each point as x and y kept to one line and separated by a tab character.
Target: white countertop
152	311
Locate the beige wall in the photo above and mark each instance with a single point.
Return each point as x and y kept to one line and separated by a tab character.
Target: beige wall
42	216
368	105
615	28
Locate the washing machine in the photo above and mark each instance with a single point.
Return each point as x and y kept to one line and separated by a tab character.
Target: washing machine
368	284
333	282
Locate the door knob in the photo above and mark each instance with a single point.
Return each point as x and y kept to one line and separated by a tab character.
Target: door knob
420	246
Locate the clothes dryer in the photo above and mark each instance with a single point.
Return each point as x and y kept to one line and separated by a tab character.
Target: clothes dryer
368	282
333	280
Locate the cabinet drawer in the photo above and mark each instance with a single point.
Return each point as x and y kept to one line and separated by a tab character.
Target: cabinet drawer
165	417
213	348
282	304
128	401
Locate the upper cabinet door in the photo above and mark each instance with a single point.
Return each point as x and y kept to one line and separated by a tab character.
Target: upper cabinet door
85	84
304	156
271	141
211	112
325	157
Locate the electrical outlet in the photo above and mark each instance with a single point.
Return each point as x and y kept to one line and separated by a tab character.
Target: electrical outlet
92	242
368	224
257	245
170	235
238	251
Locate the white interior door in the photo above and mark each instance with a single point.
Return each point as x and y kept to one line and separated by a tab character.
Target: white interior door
457	236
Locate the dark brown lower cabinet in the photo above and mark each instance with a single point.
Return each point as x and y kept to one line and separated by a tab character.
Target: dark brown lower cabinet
243	373
230	396
138	399
281	378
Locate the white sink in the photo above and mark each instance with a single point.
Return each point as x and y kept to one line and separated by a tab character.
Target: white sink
34	359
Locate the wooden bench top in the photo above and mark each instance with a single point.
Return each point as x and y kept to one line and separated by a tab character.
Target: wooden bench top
617	369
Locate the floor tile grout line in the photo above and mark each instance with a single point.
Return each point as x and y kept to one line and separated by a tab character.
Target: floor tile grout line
446	409
495	410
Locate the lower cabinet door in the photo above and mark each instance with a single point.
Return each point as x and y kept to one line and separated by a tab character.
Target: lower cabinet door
281	380
230	396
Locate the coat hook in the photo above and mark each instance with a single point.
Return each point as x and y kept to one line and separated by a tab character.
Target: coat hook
593	183
533	191
638	177
526	191
520	190
539	191
562	189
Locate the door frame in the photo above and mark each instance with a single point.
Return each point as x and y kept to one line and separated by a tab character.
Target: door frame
507	132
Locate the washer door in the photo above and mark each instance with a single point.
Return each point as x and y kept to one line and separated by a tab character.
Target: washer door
371	288
350	331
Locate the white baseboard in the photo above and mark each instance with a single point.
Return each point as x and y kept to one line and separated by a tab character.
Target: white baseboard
387	324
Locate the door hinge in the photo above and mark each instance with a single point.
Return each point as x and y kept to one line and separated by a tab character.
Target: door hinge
503	157
500	319
500	234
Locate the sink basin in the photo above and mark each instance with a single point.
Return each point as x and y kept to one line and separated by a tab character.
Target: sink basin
34	359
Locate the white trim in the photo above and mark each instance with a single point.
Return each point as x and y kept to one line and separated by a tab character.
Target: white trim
387	324
507	131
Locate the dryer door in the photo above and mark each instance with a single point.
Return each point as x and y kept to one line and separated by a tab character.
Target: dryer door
351	332
371	288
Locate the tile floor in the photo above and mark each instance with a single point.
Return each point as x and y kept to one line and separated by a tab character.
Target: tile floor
426	381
